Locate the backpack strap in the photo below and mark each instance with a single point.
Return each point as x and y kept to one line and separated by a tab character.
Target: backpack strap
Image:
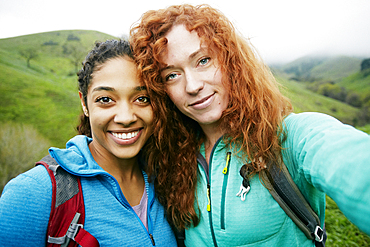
67	214
282	187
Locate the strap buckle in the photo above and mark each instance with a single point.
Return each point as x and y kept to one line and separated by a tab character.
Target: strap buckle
319	234
73	229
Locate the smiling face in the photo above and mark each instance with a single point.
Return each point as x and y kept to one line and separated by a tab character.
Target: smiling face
193	78
119	110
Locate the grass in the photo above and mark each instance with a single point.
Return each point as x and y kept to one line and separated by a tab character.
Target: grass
304	100
341	232
358	83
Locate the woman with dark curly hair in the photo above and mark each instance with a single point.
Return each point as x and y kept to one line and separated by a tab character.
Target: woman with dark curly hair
119	202
220	109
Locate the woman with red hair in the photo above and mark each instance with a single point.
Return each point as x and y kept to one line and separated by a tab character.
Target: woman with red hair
220	109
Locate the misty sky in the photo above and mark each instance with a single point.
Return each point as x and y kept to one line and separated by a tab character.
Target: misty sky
281	30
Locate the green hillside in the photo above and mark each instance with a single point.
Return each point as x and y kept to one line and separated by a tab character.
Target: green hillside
322	68
44	95
337	78
304	100
357	82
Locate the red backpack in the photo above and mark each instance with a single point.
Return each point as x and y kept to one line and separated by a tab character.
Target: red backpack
67	214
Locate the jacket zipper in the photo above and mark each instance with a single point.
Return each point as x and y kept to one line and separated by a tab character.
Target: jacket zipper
224	185
126	204
203	163
150	224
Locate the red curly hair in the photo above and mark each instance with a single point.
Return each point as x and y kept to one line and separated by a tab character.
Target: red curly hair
252	119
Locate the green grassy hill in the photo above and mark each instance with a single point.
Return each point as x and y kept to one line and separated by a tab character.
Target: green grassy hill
304	100
322	68
357	82
45	94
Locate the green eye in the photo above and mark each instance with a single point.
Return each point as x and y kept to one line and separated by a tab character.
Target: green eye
204	61
171	77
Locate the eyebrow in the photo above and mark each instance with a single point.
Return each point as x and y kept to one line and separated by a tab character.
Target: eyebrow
191	56
103	88
140	88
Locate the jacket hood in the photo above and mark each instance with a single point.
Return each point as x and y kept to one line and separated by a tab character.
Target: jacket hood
76	158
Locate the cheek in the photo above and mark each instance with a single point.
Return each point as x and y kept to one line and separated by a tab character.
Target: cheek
148	116
98	117
175	94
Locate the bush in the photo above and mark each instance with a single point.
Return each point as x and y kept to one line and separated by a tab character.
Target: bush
354	99
20	147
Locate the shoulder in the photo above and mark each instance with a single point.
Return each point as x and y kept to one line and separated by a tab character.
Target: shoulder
25	204
31	180
28	189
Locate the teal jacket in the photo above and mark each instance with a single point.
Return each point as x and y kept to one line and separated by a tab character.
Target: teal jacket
323	156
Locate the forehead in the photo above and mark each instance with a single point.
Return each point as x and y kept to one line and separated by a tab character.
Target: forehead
181	42
116	72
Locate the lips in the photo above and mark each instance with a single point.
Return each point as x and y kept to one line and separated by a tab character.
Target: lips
203	103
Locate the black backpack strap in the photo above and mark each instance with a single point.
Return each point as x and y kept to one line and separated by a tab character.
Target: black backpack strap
287	194
67	214
180	236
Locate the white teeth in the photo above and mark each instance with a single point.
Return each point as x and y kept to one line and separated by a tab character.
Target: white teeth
125	136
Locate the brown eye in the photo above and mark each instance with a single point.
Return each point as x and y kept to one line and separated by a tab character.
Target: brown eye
104	100
143	99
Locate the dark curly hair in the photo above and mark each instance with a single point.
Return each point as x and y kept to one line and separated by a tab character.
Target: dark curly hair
102	52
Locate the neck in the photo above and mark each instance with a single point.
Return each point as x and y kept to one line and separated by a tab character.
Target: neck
126	171
212	133
121	169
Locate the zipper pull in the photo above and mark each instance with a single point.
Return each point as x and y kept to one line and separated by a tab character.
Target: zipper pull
228	157
209	198
152	238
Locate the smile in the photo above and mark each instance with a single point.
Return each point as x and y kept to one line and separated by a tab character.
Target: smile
125	136
203	103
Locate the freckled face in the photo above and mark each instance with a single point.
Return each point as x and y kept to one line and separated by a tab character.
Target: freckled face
120	112
193	78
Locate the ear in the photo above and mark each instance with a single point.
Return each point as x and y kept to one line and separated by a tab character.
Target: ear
84	107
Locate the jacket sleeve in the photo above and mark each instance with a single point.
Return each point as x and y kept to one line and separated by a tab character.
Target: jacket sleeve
335	159
25	209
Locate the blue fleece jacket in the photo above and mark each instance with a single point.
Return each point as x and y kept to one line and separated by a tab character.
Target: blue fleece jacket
323	156
26	200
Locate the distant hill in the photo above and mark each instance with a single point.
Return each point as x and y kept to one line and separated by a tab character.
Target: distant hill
312	68
358	82
45	94
304	100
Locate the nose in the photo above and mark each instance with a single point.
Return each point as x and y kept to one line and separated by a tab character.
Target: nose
194	84
125	114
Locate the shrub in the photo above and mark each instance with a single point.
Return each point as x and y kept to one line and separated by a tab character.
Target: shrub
354	99
20	147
